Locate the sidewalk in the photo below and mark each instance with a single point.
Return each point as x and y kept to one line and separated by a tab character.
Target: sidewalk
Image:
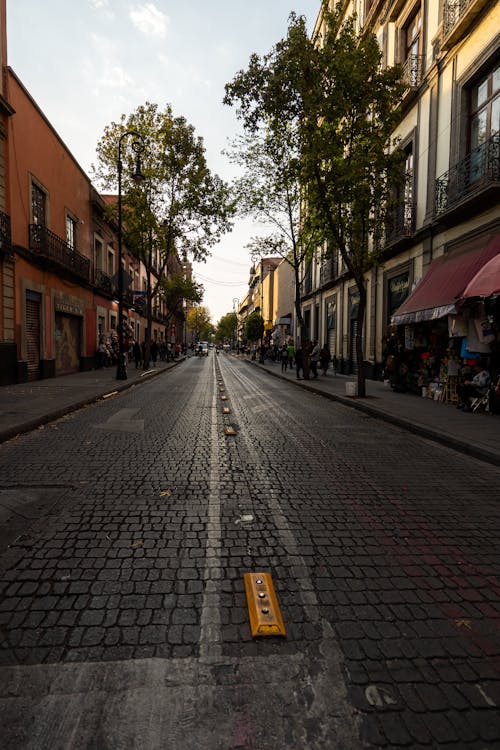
477	434
26	406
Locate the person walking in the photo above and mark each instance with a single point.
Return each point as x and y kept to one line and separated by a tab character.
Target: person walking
324	359
299	361
315	358
137	354
291	353
154	351
284	358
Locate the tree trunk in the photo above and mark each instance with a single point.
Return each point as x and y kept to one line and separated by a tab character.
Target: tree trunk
359	338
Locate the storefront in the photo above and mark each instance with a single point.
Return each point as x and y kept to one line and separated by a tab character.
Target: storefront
438	328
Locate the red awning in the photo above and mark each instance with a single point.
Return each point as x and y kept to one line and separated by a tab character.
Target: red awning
444	283
486	281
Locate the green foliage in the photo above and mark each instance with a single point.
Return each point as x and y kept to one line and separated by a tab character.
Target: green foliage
177	289
181	206
227	327
254	327
338	107
198	321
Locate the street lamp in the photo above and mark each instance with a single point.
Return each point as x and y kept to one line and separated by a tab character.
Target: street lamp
138	146
236	307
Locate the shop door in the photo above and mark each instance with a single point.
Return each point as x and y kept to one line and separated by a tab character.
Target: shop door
68	345
352	351
33	305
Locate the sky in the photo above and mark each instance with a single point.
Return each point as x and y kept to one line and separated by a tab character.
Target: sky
85	62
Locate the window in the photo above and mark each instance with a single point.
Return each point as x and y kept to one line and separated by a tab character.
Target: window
413	35
98	254
111	262
484	120
38	205
71	224
112	322
412	50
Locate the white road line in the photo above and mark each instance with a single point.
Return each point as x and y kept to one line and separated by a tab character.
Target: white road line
210	636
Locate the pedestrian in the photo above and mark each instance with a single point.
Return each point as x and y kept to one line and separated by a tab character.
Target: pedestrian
299	361
291	353
154	351
137	353
315	358
284	358
324	358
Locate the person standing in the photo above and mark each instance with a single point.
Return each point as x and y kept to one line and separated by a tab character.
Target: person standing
324	358
291	353
137	354
315	358
299	361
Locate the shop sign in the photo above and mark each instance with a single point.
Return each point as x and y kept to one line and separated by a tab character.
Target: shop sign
398	290
68	307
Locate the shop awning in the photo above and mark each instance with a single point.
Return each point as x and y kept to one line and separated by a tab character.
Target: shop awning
486	282
443	285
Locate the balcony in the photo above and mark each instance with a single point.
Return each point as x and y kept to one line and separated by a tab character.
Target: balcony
458	16
5	236
413	71
470	179
400	222
328	271
48	245
103	282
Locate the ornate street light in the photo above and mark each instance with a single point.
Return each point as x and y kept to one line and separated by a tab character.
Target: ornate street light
138	146
236	308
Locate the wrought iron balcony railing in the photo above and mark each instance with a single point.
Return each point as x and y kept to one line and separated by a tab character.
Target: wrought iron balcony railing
400	222
480	169
328	271
5	236
48	245
453	12
102	281
413	70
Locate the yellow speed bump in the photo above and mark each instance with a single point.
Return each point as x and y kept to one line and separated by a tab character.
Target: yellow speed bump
263	607
229	430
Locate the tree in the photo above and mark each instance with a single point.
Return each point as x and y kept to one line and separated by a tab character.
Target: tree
182	209
227	327
177	290
254	327
342	108
269	191
198	321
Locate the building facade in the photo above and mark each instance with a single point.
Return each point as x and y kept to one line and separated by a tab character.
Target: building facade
448	203
59	253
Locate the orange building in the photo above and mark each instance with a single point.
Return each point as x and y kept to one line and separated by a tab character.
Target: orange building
8	355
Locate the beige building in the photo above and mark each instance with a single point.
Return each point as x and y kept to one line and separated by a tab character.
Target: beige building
449	202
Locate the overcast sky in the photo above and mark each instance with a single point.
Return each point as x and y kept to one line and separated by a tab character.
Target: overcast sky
85	62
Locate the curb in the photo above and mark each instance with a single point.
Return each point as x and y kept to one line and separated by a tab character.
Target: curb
33	424
427	432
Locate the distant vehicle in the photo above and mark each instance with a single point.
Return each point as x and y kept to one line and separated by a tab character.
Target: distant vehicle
202	348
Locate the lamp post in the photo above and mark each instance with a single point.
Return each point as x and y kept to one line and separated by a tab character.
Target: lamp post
138	146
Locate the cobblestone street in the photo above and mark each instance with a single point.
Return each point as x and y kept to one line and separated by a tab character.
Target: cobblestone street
123	617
